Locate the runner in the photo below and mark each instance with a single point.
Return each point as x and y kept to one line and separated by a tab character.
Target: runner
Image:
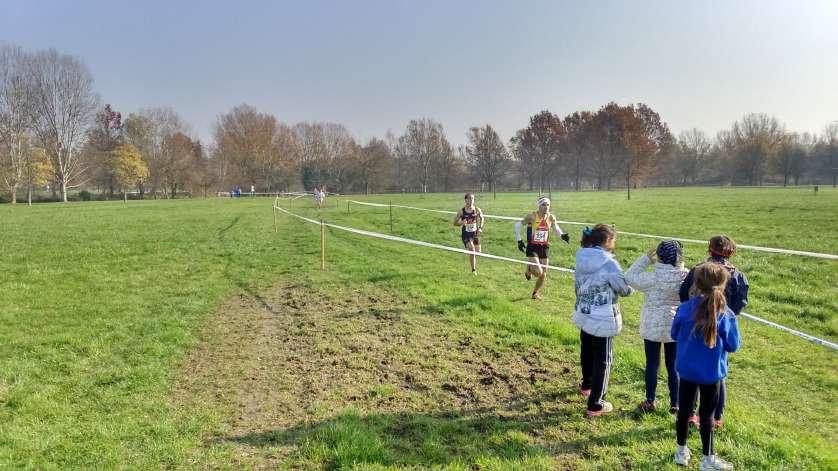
318	197
470	217
537	247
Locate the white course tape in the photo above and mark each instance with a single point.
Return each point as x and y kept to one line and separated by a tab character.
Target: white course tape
802	335
651	236
808	337
421	243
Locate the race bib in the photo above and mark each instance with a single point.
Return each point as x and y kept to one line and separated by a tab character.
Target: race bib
540	236
471	227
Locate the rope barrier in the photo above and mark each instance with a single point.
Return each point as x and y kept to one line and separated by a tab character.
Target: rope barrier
420	243
637	234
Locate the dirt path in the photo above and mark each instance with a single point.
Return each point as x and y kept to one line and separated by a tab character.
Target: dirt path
282	362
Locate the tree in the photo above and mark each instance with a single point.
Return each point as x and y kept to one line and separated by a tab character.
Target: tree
647	139
692	153
578	127
487	156
104	136
421	146
539	146
374	165
607	143
128	168
829	150
791	157
62	106
37	172
245	141
15	119
177	158
151	130
756	139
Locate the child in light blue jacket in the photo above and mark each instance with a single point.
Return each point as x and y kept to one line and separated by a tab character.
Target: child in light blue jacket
599	283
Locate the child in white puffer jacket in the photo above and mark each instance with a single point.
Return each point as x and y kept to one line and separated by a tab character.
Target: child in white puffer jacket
660	291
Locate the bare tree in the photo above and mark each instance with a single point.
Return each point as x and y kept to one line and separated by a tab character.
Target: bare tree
487	156
245	139
692	153
62	106
15	119
540	146
757	137
791	157
829	140
423	144
578	126
104	136
149	130
374	165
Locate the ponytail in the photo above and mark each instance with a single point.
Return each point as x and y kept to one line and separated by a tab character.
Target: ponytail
710	281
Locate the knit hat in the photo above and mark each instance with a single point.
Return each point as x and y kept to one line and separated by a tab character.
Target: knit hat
669	252
542	200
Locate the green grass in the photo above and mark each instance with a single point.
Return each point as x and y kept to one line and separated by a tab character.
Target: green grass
102	304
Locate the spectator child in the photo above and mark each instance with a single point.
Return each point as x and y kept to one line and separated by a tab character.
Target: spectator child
720	249
660	291
705	331
599	283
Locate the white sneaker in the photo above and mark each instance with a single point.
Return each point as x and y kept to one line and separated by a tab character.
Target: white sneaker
682	455
714	463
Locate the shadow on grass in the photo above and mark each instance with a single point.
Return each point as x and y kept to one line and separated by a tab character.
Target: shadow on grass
439	439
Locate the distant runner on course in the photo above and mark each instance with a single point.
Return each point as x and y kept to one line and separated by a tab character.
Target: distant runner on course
470	217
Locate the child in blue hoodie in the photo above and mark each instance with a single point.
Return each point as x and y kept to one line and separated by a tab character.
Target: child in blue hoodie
599	283
721	248
705	331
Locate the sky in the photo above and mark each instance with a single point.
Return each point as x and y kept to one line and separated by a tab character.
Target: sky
374	65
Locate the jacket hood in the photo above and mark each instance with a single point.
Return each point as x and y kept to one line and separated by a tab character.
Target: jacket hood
590	260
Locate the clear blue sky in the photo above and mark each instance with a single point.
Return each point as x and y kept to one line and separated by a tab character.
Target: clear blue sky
374	65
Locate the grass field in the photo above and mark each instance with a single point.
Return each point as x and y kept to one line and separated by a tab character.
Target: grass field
187	334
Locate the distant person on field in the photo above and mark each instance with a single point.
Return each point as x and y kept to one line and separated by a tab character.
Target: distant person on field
705	331
252	190
660	301
599	284
537	247
470	217
720	249
317	198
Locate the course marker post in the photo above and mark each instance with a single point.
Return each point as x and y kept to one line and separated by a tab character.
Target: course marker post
273	208
347	206
391	216
322	245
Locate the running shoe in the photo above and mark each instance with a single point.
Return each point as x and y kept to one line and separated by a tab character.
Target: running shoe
693	420
606	408
714	463
647	405
682	455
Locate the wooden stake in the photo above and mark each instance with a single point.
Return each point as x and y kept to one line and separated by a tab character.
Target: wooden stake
391	216
274	211
322	245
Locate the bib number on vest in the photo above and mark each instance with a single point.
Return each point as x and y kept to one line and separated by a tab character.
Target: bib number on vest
540	236
471	227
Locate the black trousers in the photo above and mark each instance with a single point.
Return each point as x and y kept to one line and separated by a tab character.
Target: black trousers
595	356
653	360
687	391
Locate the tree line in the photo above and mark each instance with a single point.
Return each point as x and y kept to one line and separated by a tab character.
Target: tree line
55	133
